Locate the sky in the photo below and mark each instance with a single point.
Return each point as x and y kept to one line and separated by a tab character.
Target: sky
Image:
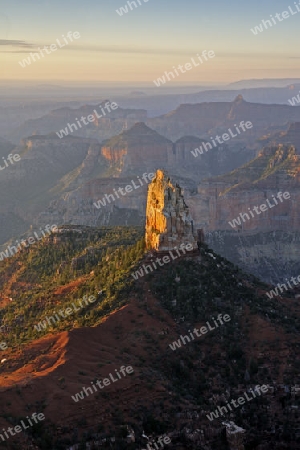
143	43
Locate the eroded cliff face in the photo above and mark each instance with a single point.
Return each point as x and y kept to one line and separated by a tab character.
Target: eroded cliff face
131	150
266	244
272	256
221	199
168	222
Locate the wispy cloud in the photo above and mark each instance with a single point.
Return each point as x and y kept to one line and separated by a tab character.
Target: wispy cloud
127	49
19	46
16	43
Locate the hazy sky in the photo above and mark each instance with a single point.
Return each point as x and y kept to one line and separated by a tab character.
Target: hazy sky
145	42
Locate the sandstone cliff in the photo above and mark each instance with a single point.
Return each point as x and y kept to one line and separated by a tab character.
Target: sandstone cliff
137	148
220	199
267	244
168	222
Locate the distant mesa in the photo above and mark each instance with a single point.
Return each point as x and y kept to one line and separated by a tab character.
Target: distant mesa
50	86
133	146
137	93
190	140
140	147
138	134
168	221
263	83
140	128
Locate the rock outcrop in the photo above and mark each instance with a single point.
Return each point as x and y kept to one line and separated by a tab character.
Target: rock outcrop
168	222
235	436
220	199
131	150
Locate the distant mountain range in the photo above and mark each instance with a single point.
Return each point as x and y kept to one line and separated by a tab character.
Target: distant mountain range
102	128
58	180
207	119
155	105
263	83
161	104
198	119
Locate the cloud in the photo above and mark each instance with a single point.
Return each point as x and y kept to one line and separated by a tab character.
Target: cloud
133	50
21	46
16	43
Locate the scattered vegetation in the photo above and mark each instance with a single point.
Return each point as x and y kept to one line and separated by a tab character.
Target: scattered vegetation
54	274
